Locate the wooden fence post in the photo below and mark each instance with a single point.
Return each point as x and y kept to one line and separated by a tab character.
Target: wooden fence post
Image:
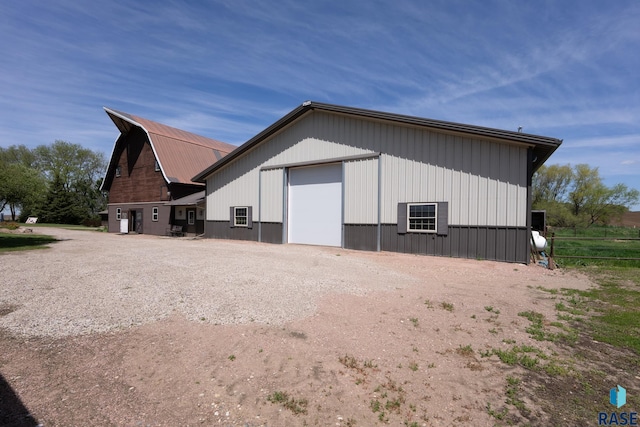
551	265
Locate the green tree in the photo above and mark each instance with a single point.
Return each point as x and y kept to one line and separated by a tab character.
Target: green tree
551	183
577	196
61	206
21	186
62	172
76	171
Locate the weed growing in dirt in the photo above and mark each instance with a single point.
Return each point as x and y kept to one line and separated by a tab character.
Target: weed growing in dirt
415	321
297	406
232	357
539	333
490	309
413	366
447	306
465	351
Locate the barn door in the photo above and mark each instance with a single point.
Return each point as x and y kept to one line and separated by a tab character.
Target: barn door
315	205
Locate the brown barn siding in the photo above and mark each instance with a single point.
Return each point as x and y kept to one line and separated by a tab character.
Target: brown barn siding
139	181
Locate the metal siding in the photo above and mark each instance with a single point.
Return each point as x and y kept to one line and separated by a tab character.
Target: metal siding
315	137
361	192
272	193
221	230
361	237
271	232
489	243
485	182
475	176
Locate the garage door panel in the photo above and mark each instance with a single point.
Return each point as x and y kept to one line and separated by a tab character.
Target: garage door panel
315	205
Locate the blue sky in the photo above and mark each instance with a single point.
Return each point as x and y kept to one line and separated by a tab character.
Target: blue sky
228	69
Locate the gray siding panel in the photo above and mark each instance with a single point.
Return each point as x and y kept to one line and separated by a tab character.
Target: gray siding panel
363	237
490	243
271	232
221	230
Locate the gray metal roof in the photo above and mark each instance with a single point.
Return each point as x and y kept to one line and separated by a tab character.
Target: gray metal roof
191	199
543	146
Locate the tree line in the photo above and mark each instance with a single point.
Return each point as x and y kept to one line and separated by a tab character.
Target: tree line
576	196
58	183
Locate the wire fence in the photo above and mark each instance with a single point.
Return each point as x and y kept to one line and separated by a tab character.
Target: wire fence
608	246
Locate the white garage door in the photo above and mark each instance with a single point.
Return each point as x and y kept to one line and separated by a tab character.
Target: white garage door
315	205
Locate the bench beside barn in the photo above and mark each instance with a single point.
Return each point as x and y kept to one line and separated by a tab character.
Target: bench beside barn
360	179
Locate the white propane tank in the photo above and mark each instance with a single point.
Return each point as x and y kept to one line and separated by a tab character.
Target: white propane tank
538	241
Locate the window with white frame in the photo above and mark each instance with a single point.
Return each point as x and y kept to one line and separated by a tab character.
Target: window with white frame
422	217
240	216
154	213
118	214
118	171
157	166
191	217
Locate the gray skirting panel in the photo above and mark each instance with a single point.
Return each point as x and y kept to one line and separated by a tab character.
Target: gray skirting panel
508	244
271	231
490	243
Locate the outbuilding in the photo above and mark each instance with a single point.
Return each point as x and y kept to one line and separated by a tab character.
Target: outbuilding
360	179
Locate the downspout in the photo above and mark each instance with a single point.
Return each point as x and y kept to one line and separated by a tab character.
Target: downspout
529	200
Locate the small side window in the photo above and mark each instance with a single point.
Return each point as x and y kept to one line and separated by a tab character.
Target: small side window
157	166
118	214
154	213
422	217
240	217
118	171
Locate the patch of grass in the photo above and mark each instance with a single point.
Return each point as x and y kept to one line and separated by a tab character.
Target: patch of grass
512	391
413	366
297	406
617	299
10	242
415	321
465	351
232	357
447	306
490	309
498	415
538	331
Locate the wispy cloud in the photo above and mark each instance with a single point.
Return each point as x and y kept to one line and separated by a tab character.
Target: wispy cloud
228	69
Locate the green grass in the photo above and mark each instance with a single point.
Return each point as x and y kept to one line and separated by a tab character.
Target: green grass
21	242
297	406
617	305
65	226
612	248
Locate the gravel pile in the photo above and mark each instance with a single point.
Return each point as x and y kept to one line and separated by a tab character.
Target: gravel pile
95	282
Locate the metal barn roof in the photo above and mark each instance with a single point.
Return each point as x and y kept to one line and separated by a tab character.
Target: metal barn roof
180	154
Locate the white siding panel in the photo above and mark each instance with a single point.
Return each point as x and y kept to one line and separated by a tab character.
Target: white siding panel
272	185
483	181
361	191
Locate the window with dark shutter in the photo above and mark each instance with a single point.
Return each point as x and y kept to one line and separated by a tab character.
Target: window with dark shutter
241	216
423	218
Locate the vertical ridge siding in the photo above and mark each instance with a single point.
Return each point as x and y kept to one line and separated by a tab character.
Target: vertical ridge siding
271	188
483	181
361	191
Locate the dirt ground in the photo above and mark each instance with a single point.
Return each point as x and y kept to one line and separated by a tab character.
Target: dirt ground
410	356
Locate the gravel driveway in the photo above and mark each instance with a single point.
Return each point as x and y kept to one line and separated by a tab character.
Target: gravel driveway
96	282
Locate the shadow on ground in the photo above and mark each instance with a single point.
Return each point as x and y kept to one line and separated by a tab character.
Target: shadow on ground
13	413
